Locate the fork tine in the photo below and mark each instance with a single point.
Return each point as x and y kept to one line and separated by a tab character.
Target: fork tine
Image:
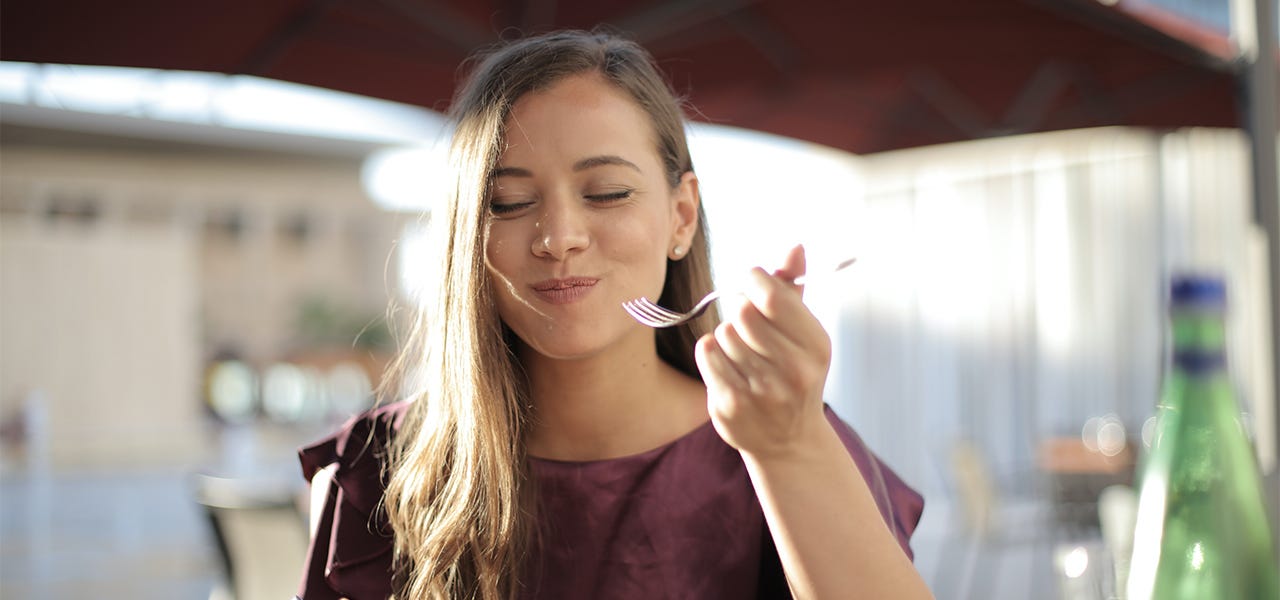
659	310
650	314
659	321
657	313
670	317
638	312
654	315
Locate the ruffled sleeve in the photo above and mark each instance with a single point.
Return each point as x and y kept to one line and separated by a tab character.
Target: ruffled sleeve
900	505
350	553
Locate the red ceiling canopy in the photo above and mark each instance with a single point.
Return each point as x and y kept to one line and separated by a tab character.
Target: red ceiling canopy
864	77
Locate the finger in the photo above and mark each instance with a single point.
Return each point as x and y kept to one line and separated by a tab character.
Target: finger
745	360
793	266
716	368
761	335
782	306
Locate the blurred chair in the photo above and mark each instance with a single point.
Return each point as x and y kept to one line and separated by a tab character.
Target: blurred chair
985	525
261	536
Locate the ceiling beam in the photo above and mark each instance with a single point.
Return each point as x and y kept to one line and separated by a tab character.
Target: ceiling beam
444	23
260	60
660	21
1114	21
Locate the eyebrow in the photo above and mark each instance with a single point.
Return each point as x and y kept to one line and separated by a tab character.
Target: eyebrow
600	161
582	165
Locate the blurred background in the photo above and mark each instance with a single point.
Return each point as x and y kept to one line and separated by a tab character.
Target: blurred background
205	211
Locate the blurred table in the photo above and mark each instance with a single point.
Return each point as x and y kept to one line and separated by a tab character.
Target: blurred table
1076	474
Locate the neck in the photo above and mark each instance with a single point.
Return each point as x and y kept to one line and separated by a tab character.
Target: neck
609	405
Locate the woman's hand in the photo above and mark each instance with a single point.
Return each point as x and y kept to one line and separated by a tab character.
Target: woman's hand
765	366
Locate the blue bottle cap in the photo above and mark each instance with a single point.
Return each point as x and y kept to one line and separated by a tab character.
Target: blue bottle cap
1198	290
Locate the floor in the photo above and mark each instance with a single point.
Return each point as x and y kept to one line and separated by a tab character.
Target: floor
133	535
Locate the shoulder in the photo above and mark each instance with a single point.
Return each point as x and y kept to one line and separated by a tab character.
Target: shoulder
360	440
900	505
351	548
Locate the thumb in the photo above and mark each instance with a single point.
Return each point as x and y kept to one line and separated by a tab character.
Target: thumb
793	266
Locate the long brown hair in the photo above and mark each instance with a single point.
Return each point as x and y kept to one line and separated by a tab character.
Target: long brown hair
458	496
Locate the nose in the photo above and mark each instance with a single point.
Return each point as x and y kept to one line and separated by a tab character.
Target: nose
560	230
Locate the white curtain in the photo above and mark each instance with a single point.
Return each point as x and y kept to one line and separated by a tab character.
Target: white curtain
1010	289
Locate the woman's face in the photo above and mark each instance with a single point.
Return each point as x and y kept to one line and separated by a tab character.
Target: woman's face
582	218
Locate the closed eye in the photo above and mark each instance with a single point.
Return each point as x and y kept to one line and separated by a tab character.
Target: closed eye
610	197
508	207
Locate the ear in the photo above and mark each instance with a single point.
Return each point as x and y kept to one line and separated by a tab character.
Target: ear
684	214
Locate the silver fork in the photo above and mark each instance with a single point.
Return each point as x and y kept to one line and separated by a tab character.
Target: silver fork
648	313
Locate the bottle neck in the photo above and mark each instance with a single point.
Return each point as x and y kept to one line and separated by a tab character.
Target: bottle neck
1199	340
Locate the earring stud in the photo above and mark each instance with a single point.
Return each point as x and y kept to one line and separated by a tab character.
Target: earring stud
678	251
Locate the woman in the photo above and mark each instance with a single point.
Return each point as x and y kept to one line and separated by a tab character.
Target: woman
555	448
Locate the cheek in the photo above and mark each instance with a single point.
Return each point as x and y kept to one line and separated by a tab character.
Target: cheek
498	248
499	254
505	300
495	251
640	234
641	243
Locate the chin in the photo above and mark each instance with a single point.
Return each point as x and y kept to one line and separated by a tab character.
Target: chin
575	342
567	348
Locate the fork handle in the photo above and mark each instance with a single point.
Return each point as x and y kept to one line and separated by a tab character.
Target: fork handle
807	277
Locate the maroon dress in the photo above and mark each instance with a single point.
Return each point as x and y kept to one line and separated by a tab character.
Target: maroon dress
678	521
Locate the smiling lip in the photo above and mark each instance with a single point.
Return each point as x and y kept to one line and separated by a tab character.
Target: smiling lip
564	291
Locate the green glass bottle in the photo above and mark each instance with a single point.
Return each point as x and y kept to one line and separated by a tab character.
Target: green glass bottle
1201	529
